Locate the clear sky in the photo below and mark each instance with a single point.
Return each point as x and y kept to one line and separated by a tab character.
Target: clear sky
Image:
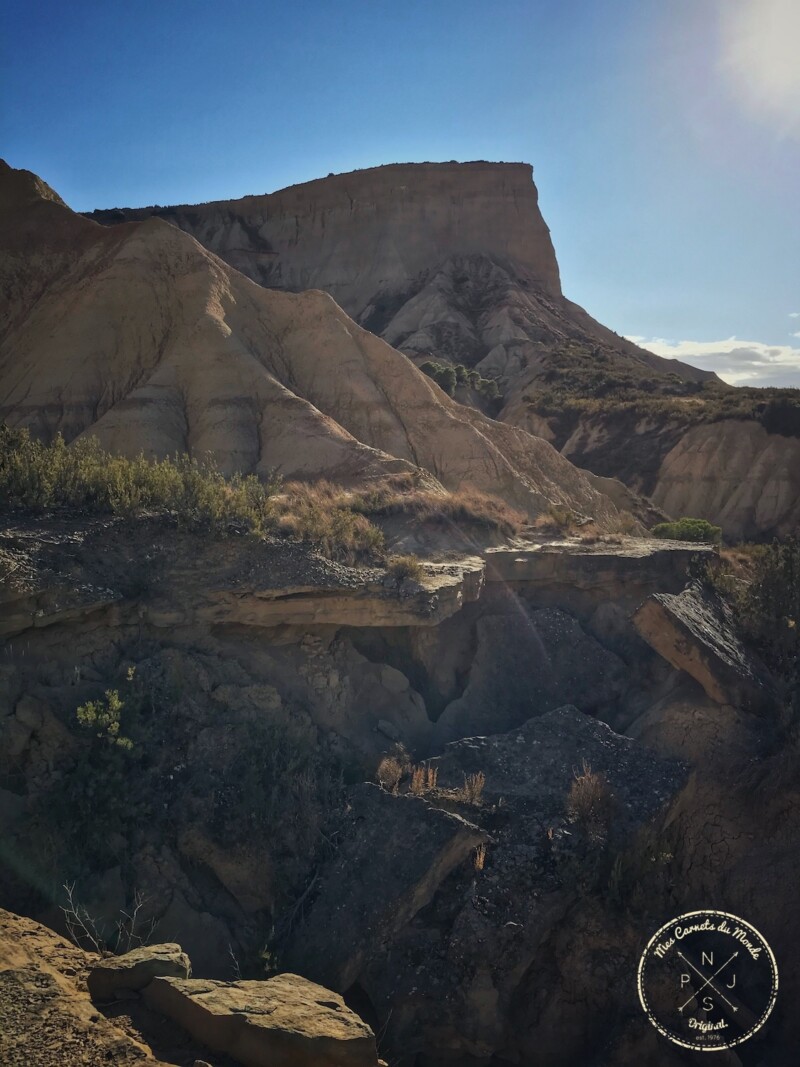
664	134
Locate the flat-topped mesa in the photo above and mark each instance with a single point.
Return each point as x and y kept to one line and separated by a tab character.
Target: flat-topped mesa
376	230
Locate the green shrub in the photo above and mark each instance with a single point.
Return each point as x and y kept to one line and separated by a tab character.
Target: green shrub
103	718
447	378
83	475
686	529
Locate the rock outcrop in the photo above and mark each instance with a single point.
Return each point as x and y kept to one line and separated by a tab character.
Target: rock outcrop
285	1021
46	1016
133	970
695	633
369	897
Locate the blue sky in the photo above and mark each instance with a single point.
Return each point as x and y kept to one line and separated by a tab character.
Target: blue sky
664	134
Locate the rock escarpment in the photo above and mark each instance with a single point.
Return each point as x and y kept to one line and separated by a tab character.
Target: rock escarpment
454	262
443	259
374	233
139	336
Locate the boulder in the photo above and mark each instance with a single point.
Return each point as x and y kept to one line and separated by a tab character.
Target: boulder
136	969
694	632
285	1021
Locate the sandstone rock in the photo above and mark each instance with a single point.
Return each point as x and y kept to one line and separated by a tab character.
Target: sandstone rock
46	1016
366	895
285	1021
194	352
624	572
694	631
135	969
735	474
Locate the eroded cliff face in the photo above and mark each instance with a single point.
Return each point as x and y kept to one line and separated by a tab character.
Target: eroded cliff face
454	262
448	260
137	335
732	472
374	233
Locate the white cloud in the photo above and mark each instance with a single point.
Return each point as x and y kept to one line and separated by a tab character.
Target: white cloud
794	314
736	361
760	58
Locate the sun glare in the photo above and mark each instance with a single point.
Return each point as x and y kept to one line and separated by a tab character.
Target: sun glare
760	59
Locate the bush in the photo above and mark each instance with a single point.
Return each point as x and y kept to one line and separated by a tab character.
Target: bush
447	378
686	529
83	475
403	567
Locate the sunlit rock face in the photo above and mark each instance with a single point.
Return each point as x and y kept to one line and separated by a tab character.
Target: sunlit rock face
375	231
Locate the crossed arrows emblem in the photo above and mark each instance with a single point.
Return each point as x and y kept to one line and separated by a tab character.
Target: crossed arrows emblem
708	981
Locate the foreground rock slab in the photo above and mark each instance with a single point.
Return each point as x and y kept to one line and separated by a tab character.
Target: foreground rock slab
285	1021
46	1016
695	633
134	970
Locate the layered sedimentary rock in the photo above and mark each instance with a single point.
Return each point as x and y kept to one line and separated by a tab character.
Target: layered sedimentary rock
139	336
454	262
443	259
733	472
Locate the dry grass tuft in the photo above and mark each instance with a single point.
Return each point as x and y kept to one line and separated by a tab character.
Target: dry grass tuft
402	567
423	778
479	857
472	789
589	799
401	495
390	771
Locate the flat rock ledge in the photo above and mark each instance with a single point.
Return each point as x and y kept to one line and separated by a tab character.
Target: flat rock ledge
285	1021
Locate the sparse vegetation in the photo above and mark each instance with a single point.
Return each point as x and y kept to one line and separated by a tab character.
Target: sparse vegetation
558	520
405	567
83	475
103	718
479	857
337	522
402	495
587	380
472	790
423	778
589	800
447	377
129	931
687	529
390	771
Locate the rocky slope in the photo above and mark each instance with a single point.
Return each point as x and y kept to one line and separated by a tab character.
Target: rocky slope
257	682
454	261
139	336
